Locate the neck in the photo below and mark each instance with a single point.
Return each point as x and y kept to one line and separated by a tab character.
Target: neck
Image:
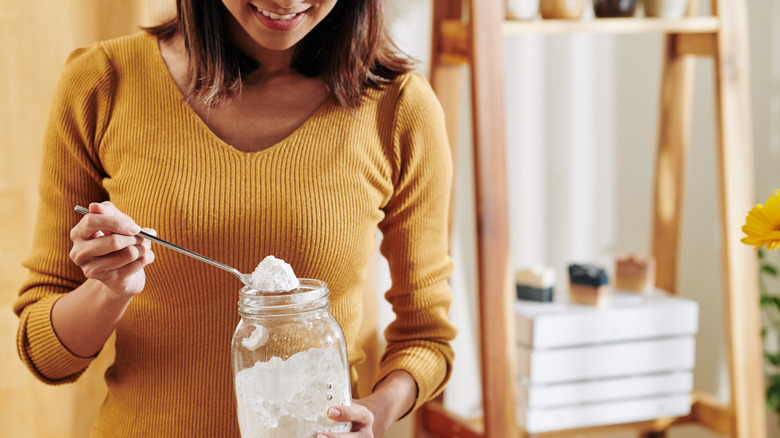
273	64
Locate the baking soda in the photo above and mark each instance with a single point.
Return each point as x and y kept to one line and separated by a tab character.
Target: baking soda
257	339
274	274
289	398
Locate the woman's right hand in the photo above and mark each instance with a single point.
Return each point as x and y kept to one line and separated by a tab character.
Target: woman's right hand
107	247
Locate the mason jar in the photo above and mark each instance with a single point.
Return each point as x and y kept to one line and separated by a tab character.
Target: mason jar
289	363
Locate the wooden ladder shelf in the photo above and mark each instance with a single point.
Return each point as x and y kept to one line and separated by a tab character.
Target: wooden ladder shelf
474	37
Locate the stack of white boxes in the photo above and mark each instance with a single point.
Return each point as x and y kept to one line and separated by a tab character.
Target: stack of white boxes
586	366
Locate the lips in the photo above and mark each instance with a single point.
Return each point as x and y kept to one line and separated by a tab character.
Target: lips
276	21
273	16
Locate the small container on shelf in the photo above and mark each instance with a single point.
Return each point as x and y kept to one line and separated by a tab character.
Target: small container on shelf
668	9
522	9
535	283
635	273
566	9
614	8
588	284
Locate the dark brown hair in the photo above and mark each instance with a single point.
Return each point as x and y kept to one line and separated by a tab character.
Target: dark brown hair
349	49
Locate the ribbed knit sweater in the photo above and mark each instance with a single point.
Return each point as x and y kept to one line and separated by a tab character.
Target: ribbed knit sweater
119	130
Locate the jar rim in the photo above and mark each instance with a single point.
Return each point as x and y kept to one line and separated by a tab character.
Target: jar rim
311	294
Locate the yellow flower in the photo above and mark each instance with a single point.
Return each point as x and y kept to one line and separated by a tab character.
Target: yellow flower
762	224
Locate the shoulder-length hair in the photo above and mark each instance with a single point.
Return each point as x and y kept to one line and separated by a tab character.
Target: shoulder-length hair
349	49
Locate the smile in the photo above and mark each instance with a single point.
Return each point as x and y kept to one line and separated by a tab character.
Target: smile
274	16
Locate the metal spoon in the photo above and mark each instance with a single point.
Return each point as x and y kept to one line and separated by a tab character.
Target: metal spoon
245	278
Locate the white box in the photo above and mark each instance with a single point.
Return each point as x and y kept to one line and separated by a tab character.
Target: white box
596	414
603	390
605	360
627	317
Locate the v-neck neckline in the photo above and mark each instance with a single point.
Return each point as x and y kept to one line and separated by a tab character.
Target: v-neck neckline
170	83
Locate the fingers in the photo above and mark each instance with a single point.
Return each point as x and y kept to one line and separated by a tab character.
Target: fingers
119	275
355	413
103	244
105	219
107	248
361	418
106	231
94	262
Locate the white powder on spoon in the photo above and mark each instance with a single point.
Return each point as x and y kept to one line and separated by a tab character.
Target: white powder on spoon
274	274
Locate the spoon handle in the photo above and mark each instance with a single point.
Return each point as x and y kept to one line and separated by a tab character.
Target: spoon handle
174	247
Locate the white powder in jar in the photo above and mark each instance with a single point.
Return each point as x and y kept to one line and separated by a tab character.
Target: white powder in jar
274	274
257	339
290	398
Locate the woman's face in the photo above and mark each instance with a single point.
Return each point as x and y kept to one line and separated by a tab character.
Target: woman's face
277	24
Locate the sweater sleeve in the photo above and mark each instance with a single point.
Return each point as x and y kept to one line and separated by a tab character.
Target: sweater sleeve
70	174
416	244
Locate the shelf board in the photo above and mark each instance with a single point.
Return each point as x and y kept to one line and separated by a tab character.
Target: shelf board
706	410
455	33
657	425
437	420
632	25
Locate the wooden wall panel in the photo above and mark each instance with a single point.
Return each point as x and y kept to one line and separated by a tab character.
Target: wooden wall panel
35	39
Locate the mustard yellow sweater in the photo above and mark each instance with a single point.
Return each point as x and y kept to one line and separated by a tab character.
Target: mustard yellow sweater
120	131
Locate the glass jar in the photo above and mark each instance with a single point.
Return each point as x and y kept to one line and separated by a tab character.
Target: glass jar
289	363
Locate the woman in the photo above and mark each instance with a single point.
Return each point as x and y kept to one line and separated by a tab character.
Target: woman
239	129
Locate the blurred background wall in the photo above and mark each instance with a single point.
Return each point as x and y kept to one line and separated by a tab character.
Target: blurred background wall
35	39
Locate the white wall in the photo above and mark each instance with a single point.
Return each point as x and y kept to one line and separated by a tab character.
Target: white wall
581	136
765	74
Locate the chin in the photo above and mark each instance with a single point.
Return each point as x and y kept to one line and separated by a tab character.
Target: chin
279	47
278	44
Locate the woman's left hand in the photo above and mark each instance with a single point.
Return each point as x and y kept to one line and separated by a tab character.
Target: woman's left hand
361	417
372	415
